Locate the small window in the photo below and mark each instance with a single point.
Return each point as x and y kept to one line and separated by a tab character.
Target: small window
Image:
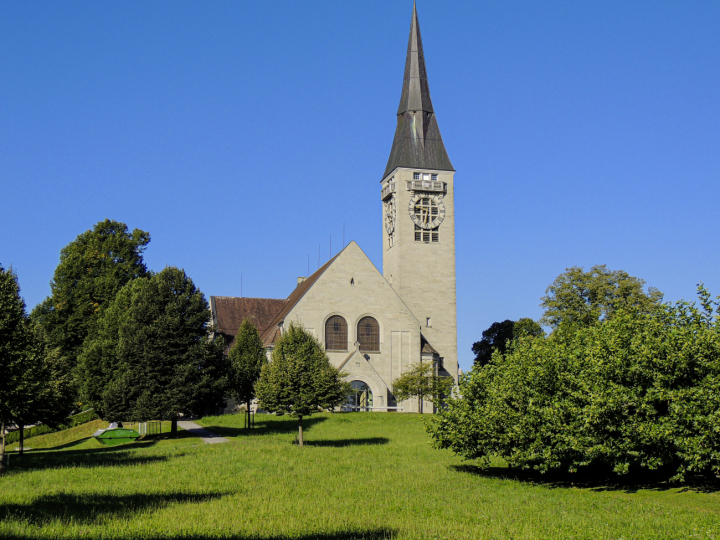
428	321
416	176
336	334
422	235
368	332
434	177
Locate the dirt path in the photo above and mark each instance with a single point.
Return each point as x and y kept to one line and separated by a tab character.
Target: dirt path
208	437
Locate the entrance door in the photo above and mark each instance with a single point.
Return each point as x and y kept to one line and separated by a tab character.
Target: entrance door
361	398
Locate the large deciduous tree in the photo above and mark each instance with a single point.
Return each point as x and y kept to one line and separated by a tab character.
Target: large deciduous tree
585	298
92	269
422	381
151	356
641	390
300	381
247	357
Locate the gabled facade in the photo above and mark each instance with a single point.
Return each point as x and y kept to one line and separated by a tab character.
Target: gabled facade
375	325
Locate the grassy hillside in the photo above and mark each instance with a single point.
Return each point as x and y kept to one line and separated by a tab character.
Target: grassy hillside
361	475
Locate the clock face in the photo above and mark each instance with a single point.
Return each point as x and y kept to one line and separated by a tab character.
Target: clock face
427	211
390	216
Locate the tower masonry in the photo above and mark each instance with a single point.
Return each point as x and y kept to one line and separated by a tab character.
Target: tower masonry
417	192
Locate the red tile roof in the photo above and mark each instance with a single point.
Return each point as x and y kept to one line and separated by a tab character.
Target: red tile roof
229	312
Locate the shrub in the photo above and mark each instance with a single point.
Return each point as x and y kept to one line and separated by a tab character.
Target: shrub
42	429
639	390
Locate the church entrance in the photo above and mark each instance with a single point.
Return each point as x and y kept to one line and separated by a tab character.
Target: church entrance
361	398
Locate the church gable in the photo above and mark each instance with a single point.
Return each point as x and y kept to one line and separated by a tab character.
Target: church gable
351	287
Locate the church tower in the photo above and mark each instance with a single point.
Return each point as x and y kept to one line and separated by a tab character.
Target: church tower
419	211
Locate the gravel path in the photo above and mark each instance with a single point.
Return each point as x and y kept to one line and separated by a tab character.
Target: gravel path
208	437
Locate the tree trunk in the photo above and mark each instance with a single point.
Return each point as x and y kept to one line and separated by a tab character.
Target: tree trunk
22	441
420	403
247	404
2	448
300	435
173	427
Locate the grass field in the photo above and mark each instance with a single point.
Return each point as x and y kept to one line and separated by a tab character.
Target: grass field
361	475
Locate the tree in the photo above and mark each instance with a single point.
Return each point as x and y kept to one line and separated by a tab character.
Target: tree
641	390
92	269
44	392
498	336
494	338
300	381
33	380
152	357
12	344
584	298
422	381
247	357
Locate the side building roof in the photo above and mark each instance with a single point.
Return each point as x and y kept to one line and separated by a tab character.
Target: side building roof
229	312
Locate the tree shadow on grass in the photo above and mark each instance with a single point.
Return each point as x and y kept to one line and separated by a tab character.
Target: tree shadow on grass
339	443
90	507
597	479
265	427
361	534
116	456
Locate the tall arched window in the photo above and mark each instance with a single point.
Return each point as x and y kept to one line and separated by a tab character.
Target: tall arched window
336	334
368	332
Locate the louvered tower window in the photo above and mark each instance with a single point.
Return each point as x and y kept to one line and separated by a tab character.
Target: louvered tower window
336	334
368	332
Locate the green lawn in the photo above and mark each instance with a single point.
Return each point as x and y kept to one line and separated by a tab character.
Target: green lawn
361	475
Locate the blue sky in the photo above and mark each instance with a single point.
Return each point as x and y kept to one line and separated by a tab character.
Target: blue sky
242	135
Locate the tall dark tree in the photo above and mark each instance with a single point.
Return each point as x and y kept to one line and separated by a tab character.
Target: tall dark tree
300	381
92	269
586	298
34	380
152	357
247	357
499	336
494	338
12	349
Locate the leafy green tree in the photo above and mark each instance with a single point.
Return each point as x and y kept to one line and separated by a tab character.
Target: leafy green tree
12	349
584	298
151	357
526	327
33	379
500	334
641	390
247	357
422	381
300	381
44	393
92	269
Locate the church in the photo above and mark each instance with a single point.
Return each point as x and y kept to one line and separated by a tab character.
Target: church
374	325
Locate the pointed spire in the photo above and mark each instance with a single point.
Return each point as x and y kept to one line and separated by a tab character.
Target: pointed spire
416	91
417	143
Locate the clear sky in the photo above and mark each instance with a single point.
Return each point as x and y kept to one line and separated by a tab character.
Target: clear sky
242	135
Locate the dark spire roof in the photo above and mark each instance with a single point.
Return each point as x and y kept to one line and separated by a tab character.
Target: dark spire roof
417	142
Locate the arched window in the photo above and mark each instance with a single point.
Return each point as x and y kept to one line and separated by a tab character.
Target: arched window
368	332
336	334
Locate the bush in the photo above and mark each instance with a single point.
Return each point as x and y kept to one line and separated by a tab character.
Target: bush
42	429
640	390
